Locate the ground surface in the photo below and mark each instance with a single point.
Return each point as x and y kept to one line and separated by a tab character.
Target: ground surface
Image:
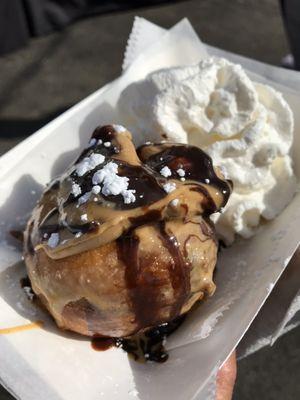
54	72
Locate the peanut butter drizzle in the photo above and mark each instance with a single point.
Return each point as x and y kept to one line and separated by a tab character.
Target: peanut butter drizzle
21	328
108	216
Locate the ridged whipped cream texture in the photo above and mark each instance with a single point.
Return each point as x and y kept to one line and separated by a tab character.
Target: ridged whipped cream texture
246	127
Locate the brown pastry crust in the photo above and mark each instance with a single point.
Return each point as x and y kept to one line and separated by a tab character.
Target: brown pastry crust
91	292
126	267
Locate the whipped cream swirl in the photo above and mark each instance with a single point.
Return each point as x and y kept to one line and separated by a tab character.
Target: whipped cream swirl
246	127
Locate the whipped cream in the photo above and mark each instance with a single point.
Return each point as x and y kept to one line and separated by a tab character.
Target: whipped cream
246	127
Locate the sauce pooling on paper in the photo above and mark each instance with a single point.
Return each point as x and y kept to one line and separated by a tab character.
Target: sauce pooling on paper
148	346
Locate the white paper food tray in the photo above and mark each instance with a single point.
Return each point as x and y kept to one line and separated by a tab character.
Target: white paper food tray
49	364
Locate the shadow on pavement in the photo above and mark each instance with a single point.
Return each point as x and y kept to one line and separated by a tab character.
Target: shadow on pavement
18	127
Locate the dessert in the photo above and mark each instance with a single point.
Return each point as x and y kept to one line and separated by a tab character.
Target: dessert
122	241
245	126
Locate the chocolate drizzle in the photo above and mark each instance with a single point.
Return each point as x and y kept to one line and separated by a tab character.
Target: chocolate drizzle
150	216
143	288
105	134
28	242
26	285
179	269
101	343
195	162
208	202
81	228
25	282
147	346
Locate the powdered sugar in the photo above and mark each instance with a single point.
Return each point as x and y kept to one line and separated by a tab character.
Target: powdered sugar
76	189
169	187
96	189
84	198
112	183
165	171
181	172
129	196
92	142
119	128
53	240
175	202
89	163
108	170
84	218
